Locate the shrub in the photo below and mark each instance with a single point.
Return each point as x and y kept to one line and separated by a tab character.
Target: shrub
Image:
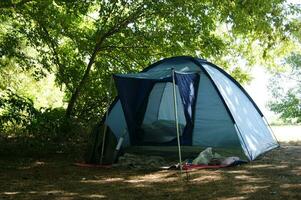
19	118
16	113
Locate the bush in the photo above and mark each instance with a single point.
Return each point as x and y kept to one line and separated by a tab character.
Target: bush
16	113
19	118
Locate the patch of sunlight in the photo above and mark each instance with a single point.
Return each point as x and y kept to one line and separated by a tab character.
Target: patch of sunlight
288	186
11	193
107	180
135	181
260	166
207	179
297	171
58	192
249	178
231	198
111	180
238	172
96	196
53	192
155	177
246	189
279	167
48	94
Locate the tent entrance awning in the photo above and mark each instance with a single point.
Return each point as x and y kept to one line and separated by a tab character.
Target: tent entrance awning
134	92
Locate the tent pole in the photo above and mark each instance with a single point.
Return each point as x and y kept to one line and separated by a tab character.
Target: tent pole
105	125
176	118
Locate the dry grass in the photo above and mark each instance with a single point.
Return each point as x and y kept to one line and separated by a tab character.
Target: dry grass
277	175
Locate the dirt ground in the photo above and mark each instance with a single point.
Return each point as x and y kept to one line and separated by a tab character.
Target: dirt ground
277	175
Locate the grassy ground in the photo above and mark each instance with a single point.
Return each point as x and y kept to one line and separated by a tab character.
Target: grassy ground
277	175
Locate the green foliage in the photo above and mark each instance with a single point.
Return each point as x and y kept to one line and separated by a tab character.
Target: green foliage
19	118
82	43
98	38
16	112
289	107
286	84
286	91
47	124
294	60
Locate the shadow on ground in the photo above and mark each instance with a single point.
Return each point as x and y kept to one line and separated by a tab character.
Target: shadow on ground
277	175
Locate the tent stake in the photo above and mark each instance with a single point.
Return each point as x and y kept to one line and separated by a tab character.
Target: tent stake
176	118
105	125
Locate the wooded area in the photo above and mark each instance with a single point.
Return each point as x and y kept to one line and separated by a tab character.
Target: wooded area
57	58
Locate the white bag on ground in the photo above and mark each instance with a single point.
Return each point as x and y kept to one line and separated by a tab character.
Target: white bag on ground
229	160
204	157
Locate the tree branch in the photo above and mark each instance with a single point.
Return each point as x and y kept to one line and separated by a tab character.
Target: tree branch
123	47
119	61
51	44
123	23
113	30
133	59
53	47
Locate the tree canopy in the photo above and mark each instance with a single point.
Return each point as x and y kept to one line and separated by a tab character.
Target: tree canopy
285	85
84	42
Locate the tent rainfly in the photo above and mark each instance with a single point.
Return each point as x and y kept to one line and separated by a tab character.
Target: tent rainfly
186	102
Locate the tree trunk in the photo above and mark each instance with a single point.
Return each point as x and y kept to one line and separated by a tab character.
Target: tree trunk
112	31
81	84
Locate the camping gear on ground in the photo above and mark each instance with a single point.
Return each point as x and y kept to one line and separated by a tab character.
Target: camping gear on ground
212	110
229	160
206	157
209	160
214	163
141	161
188	166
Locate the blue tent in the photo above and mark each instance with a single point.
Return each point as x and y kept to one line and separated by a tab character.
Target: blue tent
214	110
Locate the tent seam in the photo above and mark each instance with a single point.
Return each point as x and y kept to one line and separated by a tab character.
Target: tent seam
237	84
223	100
161	100
239	132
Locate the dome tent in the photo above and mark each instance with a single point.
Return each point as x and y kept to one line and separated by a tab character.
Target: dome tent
213	109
